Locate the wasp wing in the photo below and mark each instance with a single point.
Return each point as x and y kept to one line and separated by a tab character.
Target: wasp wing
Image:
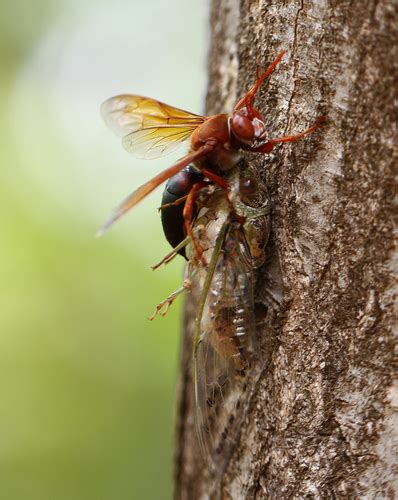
225	330
149	128
140	193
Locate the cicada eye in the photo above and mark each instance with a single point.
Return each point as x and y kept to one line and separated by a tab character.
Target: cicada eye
248	186
242	127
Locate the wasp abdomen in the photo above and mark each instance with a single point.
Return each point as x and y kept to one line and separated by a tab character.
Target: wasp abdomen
172	218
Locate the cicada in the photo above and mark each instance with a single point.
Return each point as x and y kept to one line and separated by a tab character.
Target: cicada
150	129
232	231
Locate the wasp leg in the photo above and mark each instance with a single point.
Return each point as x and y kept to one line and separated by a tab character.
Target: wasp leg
219	181
215	178
167	302
189	209
140	193
174	203
268	146
170	256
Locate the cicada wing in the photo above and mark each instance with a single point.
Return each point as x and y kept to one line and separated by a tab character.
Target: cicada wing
149	128
222	354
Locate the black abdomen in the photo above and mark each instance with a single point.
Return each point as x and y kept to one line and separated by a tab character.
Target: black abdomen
172	217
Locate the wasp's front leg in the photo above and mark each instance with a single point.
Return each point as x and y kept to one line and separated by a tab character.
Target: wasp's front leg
268	146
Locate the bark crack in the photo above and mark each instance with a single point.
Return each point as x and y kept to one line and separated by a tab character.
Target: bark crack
295	65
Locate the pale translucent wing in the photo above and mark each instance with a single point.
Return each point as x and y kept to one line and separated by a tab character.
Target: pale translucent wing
152	143
220	356
149	128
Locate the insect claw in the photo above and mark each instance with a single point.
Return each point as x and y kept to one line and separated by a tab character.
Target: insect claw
166	304
200	257
168	301
158	310
155	313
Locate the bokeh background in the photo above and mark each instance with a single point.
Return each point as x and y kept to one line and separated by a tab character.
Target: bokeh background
87	383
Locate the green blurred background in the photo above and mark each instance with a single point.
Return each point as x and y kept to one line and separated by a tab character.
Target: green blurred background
87	382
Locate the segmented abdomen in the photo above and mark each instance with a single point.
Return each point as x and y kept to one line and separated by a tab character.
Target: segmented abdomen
230	308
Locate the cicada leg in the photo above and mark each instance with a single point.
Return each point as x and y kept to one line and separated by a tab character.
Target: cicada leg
170	256
168	301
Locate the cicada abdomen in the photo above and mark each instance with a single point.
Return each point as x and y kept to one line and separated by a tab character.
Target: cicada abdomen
230	304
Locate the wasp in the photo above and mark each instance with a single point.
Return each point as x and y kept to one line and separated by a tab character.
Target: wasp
150	129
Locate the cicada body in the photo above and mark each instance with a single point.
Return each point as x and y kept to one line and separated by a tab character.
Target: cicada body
233	232
232	228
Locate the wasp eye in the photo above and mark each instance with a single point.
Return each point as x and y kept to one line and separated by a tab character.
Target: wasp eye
247	186
242	127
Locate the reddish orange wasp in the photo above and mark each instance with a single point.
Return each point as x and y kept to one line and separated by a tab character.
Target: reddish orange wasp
151	129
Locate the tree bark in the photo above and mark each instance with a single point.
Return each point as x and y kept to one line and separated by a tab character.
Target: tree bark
320	423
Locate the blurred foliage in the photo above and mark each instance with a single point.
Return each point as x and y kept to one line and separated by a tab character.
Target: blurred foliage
87	382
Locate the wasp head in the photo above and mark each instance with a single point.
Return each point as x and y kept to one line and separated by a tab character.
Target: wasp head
247	123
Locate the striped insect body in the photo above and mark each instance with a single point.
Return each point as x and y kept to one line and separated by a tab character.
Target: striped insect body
225	331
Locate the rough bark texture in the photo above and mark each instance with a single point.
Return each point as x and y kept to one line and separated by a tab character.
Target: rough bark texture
320	423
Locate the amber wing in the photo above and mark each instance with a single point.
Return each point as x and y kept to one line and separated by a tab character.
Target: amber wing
149	128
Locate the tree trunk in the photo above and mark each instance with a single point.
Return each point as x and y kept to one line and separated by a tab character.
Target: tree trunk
319	423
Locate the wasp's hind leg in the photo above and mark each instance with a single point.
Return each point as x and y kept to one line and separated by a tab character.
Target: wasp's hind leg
188	214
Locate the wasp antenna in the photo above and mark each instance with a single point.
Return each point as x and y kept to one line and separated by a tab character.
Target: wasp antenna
140	193
248	99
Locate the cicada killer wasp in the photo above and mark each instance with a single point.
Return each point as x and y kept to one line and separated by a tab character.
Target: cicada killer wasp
150	129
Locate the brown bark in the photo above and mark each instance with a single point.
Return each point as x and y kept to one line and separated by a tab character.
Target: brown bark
320	420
